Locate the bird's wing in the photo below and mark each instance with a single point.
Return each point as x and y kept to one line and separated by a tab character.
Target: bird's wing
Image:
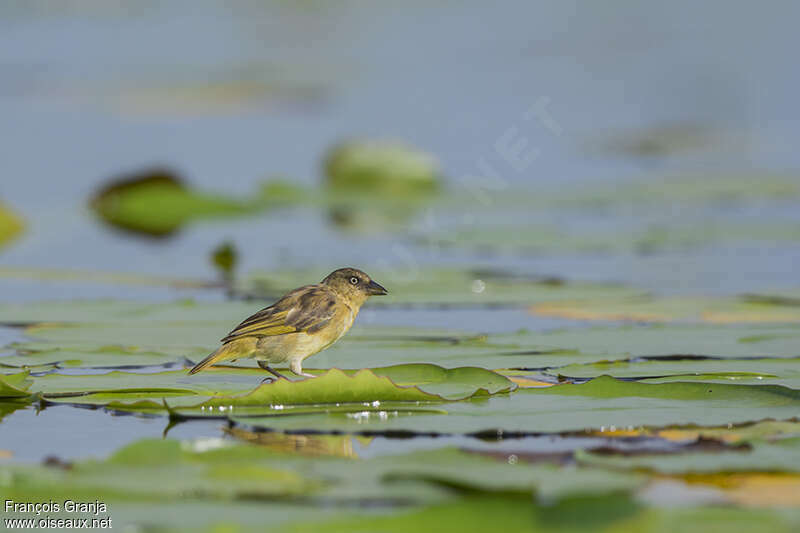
306	309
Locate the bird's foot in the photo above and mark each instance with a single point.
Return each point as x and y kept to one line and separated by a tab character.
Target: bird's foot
272	371
306	374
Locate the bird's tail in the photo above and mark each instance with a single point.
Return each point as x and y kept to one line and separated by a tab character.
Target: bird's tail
226	352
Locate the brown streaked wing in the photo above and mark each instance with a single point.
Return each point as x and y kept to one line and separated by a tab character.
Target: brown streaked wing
308	309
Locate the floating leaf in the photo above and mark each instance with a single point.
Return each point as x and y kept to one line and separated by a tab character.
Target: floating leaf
158	203
10	225
33	355
657	237
675	309
452	287
752	371
381	167
15	385
754	489
657	340
776	456
603	403
231	388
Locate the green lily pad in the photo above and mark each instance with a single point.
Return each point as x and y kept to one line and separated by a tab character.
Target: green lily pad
777	456
229	388
784	372
31	356
158	203
118	311
766	430
662	237
137	385
381	166
601	403
452	287
675	309
655	340
613	512
191	330
219	470
15	385
364	386
10	225
110	278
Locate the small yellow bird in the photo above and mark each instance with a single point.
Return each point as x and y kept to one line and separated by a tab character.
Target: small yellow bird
302	323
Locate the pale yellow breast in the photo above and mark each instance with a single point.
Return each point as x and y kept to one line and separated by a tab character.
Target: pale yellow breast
282	348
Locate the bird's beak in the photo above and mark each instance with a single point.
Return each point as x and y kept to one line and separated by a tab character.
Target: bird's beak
375	289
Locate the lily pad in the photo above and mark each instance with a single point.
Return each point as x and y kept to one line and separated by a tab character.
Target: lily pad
675	309
381	166
653	238
449	287
158	203
602	403
191	330
237	388
657	340
15	385
11	225
612	512
784	372
776	456
38	356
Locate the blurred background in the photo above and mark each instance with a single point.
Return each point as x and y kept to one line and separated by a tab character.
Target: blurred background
641	143
558	191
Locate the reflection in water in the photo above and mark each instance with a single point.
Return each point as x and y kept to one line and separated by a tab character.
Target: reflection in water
305	445
9	406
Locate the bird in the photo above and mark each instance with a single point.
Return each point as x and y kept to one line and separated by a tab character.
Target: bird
302	323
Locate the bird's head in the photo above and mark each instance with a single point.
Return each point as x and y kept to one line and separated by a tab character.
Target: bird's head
353	284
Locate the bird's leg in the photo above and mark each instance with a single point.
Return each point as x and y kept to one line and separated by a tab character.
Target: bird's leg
297	367
266	367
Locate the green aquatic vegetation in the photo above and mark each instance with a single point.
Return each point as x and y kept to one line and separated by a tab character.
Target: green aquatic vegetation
158	203
452	287
612	512
725	341
228	472
40	356
730	310
15	385
383	167
784	372
643	238
209	484
109	333
688	189
228	388
603	403
11	225
780	455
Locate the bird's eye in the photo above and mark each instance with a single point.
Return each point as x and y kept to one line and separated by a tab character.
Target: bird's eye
354	280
